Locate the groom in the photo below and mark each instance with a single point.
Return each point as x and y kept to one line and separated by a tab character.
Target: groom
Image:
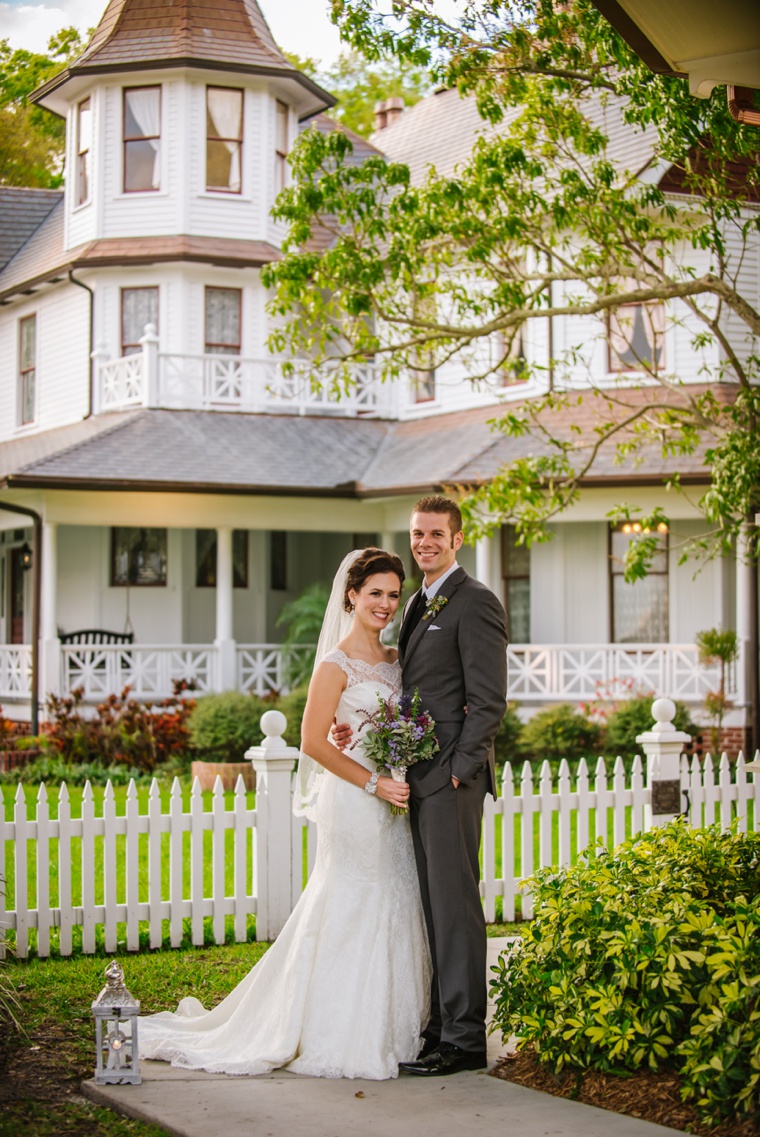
453	648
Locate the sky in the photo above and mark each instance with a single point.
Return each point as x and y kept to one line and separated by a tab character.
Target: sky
302	26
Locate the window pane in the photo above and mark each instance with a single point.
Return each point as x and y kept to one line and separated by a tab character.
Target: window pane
138	556
27	373
223	166
278	560
142	133
282	128
620	542
518	610
84	142
139	306
636	337
205	558
515	558
223	321
640	610
28	338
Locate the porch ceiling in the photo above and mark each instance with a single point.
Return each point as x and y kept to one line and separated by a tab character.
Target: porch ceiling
210	452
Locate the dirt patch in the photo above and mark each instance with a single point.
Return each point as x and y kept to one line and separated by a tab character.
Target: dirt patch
645	1095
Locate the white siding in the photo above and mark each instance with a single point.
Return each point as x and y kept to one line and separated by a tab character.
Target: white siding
62	377
700	598
744	271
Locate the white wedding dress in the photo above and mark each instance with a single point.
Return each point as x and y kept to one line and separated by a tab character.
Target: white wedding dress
344	990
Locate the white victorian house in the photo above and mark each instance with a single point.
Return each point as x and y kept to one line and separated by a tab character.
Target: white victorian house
173	488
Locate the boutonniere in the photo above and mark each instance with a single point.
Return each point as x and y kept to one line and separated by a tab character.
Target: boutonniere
434	606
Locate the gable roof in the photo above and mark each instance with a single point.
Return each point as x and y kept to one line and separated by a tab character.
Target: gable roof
22	211
228	35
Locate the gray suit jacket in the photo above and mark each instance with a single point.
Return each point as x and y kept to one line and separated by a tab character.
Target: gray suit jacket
458	658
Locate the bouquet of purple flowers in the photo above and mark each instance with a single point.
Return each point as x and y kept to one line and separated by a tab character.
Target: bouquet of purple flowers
399	733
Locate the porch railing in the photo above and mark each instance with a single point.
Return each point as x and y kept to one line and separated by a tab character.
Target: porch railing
538	673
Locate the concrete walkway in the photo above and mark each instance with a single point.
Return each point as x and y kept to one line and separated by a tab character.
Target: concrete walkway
188	1103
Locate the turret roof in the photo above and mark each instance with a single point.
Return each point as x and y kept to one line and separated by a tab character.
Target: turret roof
229	35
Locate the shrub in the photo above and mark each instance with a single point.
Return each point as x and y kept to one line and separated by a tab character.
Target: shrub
649	956
507	744
123	731
559	732
224	726
292	706
633	717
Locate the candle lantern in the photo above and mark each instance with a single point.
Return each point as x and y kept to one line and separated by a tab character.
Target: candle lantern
116	1012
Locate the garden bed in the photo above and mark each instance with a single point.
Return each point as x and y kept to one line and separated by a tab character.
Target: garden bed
648	1096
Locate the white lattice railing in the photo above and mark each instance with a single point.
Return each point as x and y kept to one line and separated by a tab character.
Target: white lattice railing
149	670
538	673
120	383
234	383
573	672
265	667
15	671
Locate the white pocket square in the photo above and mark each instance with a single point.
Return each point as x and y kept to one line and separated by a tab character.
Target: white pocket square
434	628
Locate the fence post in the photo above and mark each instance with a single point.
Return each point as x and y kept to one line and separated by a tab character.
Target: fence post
662	746
273	762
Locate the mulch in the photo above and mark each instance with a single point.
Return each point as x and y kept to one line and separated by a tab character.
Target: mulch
649	1096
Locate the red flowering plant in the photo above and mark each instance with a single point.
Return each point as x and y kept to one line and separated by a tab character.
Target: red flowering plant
397	735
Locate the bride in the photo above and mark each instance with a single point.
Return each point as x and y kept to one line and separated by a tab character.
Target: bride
344	990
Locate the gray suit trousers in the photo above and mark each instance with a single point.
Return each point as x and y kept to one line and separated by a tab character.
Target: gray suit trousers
446	829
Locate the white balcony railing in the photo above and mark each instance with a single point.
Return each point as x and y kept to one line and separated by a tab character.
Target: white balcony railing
538	673
233	383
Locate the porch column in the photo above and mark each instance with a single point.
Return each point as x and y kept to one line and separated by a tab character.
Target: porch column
50	647
744	584
224	642
487	566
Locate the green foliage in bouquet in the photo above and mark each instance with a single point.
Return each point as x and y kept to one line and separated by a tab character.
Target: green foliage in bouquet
646	957
560	732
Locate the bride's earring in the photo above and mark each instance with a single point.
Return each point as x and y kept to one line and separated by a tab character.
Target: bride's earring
353	610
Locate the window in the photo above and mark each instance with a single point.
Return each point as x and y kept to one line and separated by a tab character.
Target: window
139	306
636	338
278	561
142	139
84	145
639	610
511	361
205	558
423	357
224	139
138	557
281	147
223	321
515	567
27	369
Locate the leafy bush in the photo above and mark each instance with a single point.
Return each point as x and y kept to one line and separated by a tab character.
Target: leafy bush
559	732
649	956
633	717
293	706
52	770
303	619
508	741
223	726
123	731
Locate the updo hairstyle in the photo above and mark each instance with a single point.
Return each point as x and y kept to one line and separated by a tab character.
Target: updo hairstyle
369	563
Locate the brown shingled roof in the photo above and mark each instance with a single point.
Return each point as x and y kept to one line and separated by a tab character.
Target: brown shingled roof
230	35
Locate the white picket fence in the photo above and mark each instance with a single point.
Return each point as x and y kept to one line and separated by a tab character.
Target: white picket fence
62	871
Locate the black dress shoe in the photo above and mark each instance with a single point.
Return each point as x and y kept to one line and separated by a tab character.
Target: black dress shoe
446	1059
428	1046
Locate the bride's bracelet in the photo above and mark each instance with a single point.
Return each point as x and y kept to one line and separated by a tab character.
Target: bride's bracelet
371	785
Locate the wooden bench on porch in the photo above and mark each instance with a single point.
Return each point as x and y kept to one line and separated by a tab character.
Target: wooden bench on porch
95	637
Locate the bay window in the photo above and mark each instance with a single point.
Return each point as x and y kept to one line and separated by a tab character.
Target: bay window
223	321
224	139
639	610
142	139
84	145
139	306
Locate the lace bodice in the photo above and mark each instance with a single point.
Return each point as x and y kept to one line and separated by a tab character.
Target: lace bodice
359	671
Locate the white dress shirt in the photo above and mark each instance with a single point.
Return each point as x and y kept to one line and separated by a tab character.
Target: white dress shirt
431	590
